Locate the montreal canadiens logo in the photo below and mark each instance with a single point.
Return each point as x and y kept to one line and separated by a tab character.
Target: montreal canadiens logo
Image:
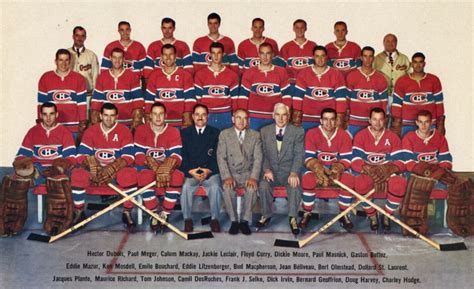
127	64
217	90
104	155
427	157
265	89
419	97
365	95
320	93
167	94
115	96
376	158
48	152
208	58
342	64
254	62
61	95
299	62
156	153
327	157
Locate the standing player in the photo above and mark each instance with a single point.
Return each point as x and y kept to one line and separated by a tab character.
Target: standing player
414	92
158	155
153	56
121	87
262	87
377	157
135	54
217	87
297	53
248	50
104	154
317	87
367	89
430	165
201	57
45	155
328	152
173	86
67	89
343	55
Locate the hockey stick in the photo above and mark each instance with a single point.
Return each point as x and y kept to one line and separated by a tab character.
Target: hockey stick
302	243
441	247
203	235
50	239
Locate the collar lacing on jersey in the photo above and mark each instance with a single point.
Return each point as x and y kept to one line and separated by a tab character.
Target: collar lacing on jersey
106	133
425	139
339	49
300	45
48	131
157	134
168	75
377	139
328	139
125	47
319	75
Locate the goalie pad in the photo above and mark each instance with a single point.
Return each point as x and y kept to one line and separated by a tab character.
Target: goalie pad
60	212
414	210
13	205
460	214
24	168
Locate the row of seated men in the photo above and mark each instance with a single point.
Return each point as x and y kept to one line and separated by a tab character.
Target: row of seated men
235	161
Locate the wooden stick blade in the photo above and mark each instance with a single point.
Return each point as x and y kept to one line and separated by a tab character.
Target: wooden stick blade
39	238
453	247
287	243
203	235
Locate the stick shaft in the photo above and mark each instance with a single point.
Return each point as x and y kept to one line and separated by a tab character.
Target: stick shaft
100	213
405	226
151	213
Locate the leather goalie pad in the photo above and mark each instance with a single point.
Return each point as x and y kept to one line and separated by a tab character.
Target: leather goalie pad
414	209
13	205
460	215
60	205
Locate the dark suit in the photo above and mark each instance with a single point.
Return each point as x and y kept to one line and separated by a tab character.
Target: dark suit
288	160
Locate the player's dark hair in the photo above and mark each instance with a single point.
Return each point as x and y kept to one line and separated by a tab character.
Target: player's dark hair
424	112
196	106
63	51
158	104
168	20
168	46
300	21
322	48
117	49
368	48
418	54
78	28
377	110
328	110
124	23
258	19
265	44
214	15
340	23
216	45
108	106
49	104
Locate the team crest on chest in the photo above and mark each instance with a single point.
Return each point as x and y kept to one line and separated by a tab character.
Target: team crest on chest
61	95
299	62
419	97
208	58
167	94
105	155
157	153
48	152
427	157
265	89
254	62
127	64
115	96
217	90
327	157
365	95
320	93
342	64
376	158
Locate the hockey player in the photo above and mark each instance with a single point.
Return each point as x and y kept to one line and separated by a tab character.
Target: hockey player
45	156
67	89
414	92
153	56
105	154
343	54
83	60
377	162
135	53
248	52
297	53
158	155
367	89
173	86
201	57
262	87
121	87
430	165
328	156
317	87
217	87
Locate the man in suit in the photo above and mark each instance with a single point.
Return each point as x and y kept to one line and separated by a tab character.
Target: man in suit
200	166
239	156
283	151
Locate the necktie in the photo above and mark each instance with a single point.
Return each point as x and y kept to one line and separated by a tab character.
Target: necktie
241	138
390	59
279	136
78	52
200	131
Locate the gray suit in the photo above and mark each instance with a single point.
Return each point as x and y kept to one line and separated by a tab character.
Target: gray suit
240	162
289	159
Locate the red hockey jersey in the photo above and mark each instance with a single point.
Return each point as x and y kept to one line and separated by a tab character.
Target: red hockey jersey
202	58
338	147
157	145
345	58
297	57
248	54
134	58
432	150
184	57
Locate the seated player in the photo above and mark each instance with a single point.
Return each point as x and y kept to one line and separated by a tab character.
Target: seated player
157	156
430	165
45	156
